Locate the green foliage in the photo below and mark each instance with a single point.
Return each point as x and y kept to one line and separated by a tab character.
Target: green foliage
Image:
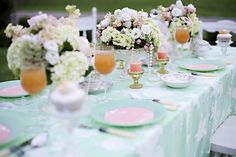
90	69
204	7
5	73
4	41
67	47
23	21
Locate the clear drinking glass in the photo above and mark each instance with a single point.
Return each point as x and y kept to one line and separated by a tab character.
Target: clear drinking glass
33	79
104	64
182	35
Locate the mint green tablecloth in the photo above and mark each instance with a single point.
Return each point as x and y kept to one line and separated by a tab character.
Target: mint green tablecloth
183	133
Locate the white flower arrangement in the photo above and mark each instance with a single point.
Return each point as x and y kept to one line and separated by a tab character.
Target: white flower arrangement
55	42
179	15
72	65
129	29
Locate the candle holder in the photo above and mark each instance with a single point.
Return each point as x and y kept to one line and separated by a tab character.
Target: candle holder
224	46
135	76
162	63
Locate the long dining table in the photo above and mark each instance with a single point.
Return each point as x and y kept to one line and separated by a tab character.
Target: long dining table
185	132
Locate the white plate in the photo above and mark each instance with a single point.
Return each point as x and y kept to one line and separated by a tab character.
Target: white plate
177	80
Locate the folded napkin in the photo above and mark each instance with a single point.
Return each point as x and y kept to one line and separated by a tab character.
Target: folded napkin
150	93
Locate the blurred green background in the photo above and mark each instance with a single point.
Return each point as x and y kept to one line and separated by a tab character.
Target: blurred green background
205	8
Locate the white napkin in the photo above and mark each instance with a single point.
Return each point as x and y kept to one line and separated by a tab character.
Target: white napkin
150	93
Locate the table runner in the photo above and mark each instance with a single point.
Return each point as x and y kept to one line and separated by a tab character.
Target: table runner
183	133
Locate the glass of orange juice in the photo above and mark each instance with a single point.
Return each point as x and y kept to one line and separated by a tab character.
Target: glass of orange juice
104	63
33	78
182	35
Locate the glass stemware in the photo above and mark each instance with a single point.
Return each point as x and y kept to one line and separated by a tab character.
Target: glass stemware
33	80
104	64
182	36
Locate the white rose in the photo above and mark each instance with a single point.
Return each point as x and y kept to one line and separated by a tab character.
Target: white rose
117	12
50	45
127	24
84	46
52	57
144	14
176	12
105	22
191	8
126	11
146	29
126	17
135	33
179	4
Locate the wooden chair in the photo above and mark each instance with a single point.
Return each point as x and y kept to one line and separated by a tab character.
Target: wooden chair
89	23
224	139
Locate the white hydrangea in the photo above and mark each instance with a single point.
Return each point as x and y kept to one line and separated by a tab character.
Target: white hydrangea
14	56
146	29
73	11
108	34
50	45
72	67
70	34
14	31
123	40
84	46
52	57
194	25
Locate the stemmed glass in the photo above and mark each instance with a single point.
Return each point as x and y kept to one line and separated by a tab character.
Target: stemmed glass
104	64
182	36
33	79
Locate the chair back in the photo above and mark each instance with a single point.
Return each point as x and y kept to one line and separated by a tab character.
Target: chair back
216	26
88	23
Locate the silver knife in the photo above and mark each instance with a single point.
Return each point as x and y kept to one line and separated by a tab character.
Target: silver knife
111	131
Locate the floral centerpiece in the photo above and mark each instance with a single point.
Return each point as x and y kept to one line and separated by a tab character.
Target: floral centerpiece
51	41
179	15
128	29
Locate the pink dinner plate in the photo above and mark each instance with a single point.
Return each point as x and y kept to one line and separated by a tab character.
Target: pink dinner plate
5	133
128	113
202	67
12	89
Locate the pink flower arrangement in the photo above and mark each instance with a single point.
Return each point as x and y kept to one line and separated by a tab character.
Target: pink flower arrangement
178	15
